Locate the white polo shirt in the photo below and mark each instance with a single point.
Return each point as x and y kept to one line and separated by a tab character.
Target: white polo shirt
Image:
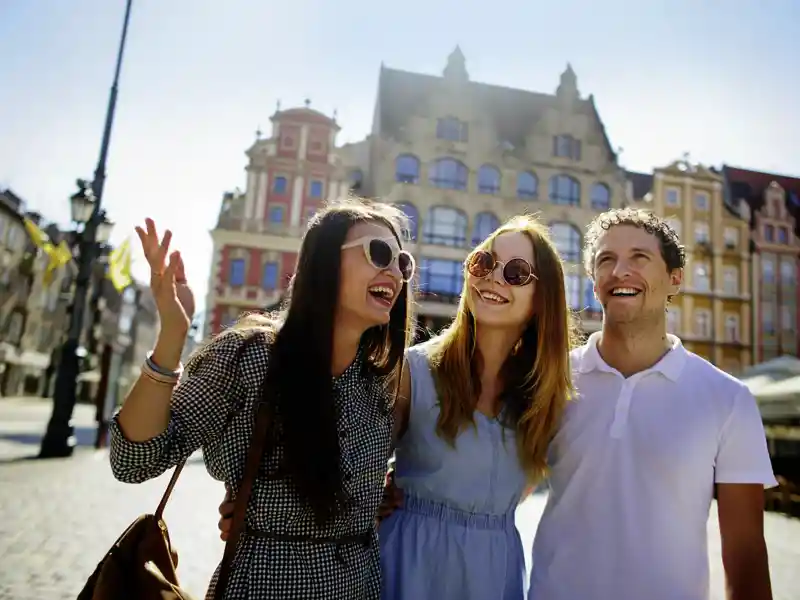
633	469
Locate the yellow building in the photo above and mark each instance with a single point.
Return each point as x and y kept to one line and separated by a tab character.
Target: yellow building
461	156
712	313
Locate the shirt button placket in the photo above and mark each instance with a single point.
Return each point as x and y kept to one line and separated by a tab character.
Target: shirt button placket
622	409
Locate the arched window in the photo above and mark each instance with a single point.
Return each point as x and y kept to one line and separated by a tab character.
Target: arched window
565	190
601	197
406	168
441	279
485	224
449	173
567	239
445	226
413	219
356	179
527	186
488	180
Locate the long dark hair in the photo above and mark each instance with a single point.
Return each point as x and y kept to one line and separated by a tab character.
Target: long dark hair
299	381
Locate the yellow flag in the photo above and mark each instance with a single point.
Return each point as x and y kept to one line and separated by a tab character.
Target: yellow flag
57	258
38	237
119	266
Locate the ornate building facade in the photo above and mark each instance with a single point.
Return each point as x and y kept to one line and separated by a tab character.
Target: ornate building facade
459	157
774	202
290	175
712	314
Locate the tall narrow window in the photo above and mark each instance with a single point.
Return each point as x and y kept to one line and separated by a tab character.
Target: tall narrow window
565	190
449	173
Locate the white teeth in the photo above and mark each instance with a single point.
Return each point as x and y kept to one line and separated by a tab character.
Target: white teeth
492	297
624	291
382	290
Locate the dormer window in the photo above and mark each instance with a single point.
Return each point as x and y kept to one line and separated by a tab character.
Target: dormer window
452	129
566	146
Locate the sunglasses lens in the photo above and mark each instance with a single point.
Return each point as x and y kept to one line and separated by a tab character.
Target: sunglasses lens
380	254
480	264
517	272
406	265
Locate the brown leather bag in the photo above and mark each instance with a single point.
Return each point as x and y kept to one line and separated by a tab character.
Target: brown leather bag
141	565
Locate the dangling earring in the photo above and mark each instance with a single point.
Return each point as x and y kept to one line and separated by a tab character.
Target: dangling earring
517	346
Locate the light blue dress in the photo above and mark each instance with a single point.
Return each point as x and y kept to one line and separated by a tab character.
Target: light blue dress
454	538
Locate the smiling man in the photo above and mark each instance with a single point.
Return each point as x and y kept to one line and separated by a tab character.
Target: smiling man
653	432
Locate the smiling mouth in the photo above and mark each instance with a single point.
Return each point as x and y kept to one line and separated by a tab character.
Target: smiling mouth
491	297
383	294
625	292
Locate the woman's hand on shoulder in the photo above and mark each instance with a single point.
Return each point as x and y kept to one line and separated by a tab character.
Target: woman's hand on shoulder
392	497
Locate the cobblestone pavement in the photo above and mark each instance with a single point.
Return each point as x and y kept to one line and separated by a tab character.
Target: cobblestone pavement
59	517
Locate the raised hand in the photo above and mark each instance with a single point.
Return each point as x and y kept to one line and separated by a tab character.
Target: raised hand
173	297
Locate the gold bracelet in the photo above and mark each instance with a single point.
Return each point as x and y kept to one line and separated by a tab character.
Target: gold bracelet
170	384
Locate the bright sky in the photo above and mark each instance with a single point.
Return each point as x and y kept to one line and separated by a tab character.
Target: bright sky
718	79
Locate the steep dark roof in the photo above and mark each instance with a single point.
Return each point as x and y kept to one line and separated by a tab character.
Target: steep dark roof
750	185
12	203
512	112
642	183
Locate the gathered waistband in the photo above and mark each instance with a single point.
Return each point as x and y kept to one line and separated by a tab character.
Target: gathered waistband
444	512
362	539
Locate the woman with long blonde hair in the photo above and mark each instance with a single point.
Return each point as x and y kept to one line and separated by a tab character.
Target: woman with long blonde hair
477	408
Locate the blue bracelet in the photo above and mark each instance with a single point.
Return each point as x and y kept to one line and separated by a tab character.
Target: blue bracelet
161	370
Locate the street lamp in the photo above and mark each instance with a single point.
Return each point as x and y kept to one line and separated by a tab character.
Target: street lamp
82	204
59	440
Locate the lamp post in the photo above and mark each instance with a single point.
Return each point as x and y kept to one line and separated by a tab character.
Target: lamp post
59	440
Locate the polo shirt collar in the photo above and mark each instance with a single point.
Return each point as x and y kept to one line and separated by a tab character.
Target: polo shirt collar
670	365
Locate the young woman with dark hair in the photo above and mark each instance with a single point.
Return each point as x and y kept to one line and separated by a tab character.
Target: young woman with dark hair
323	366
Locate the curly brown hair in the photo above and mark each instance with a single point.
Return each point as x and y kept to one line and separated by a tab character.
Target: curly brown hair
672	251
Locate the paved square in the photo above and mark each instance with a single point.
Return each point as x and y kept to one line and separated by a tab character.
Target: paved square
59	517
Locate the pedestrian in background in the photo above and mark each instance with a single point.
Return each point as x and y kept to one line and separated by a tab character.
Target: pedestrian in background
322	367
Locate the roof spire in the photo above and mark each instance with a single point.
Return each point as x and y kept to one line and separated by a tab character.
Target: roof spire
456	68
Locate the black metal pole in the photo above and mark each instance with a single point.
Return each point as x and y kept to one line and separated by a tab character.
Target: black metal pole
59	440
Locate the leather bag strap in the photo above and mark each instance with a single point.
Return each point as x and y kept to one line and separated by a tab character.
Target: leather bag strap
258	445
168	492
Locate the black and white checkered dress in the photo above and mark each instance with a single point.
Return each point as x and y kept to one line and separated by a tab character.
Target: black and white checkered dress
265	568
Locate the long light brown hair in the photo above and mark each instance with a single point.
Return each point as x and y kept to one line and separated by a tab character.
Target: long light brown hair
536	376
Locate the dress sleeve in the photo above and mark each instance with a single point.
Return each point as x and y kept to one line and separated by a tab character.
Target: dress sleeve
211	389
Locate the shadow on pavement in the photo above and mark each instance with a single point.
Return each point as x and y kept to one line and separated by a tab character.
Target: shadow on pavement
29	442
84	436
